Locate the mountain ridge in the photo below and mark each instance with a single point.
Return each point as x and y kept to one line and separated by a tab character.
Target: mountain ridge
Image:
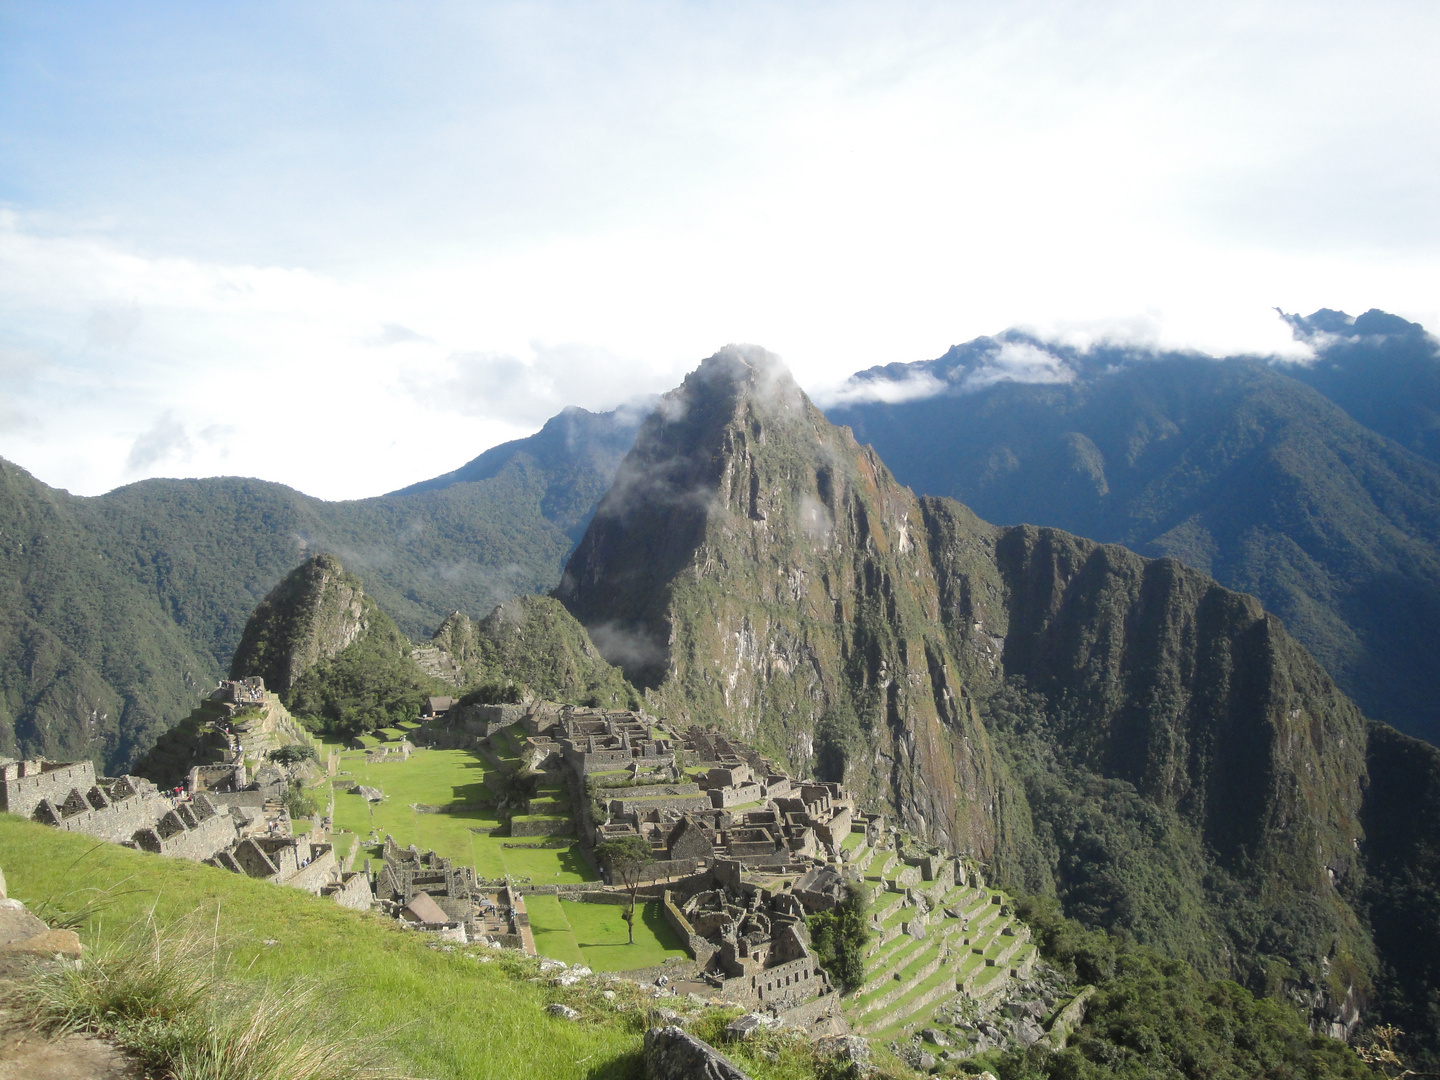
1235	466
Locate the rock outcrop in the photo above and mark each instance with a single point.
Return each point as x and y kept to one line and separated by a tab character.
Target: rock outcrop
315	613
752	563
672	1053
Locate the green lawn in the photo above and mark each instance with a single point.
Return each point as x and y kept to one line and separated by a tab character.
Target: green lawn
571	931
440	778
553	936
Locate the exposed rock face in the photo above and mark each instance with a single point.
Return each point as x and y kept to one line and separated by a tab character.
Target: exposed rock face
754	565
672	1053
312	615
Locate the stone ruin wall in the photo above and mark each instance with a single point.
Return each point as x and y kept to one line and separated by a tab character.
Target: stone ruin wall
27	783
197	844
784	985
352	891
700	949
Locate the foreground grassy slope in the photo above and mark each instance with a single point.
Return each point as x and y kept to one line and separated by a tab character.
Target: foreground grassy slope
452	1016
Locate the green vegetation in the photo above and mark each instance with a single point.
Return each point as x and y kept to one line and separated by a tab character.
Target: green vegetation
167	762
840	938
1139	867
293	753
336	660
531	644
377	978
626	859
1235	467
117	610
360	982
599	936
1152	1016
299	801
165	994
456	781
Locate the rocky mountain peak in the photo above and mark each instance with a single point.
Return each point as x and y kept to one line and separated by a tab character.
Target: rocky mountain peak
315	613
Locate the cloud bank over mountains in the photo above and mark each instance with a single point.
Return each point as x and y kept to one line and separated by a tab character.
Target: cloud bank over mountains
464	222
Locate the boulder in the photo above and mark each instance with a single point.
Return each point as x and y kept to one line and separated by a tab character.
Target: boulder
850	1050
742	1027
926	1061
564	1012
1028	1032
672	1053
48	943
934	1036
16	923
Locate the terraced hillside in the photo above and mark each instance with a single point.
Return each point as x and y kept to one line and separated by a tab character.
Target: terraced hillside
934	940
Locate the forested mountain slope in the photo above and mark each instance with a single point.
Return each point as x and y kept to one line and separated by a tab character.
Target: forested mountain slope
1236	467
119	607
1125	733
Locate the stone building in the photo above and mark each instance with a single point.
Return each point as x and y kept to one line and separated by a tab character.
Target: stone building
126	810
749	941
405	873
600	740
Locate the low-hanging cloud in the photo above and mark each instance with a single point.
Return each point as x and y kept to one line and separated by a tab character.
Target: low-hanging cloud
626	648
872	390
1017	361
502	386
169	440
1020	362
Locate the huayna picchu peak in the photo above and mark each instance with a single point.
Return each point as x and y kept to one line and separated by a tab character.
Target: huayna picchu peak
753	564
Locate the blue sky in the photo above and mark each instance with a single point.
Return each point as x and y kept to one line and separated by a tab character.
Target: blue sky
348	246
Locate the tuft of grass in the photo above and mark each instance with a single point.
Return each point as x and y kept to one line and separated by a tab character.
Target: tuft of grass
163	993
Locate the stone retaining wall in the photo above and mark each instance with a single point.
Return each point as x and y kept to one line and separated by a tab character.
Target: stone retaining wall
557	826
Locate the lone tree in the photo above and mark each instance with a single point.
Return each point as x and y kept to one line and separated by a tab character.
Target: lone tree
839	937
626	858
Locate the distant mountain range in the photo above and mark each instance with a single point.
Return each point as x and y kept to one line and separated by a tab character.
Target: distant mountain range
115	609
1152	748
1312	486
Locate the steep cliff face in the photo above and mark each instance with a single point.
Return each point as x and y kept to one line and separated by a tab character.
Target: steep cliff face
315	613
753	565
1245	766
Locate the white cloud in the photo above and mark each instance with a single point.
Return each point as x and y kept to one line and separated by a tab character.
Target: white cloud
395	334
861	391
358	242
1021	362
